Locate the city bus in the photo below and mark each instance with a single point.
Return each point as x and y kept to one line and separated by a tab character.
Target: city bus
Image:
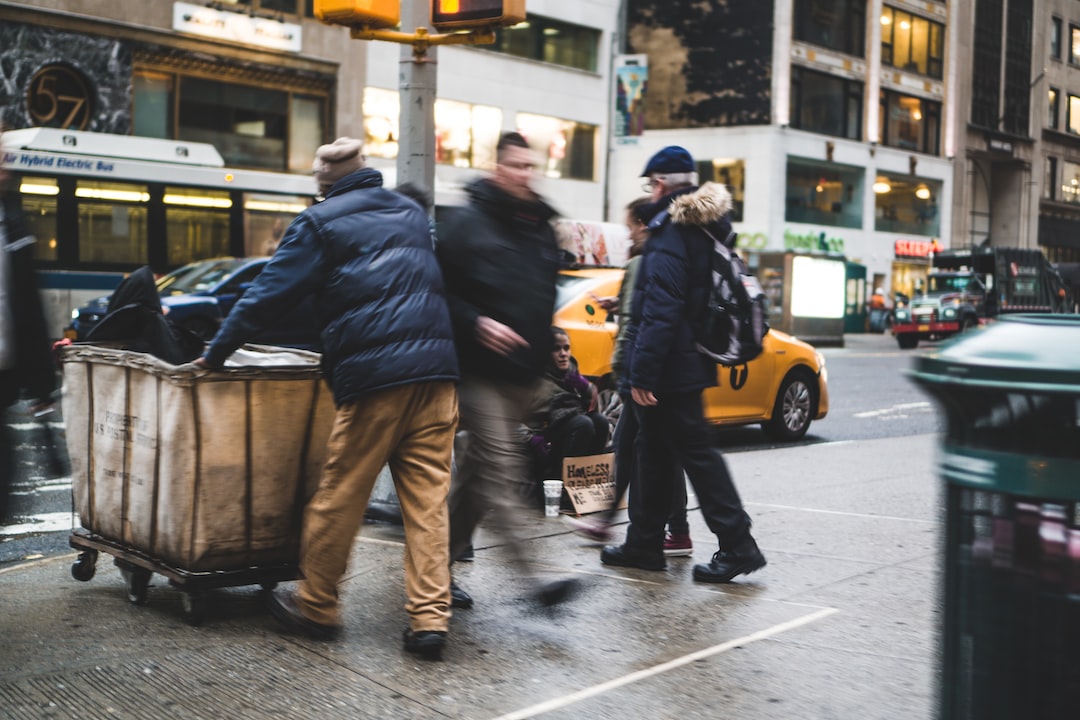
102	205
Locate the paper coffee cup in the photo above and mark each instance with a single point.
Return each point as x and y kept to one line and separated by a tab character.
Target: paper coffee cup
552	496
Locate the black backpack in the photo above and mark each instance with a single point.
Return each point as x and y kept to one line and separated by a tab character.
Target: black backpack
733	329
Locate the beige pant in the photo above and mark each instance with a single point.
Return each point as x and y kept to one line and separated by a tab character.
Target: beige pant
494	463
411	428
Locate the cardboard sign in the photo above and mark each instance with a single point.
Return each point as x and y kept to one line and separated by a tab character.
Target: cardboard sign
590	481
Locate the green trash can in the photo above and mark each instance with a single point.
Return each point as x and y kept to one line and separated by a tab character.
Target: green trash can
1010	461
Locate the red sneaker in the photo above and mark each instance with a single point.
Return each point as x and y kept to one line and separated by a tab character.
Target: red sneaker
677	545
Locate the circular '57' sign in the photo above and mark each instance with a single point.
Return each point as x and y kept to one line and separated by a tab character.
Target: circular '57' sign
60	96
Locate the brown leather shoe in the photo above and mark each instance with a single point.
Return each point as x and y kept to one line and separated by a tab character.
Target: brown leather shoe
283	608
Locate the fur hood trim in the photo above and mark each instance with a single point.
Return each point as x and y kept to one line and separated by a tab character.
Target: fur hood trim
708	204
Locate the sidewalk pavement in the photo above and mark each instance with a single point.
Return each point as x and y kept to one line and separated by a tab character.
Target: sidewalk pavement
840	624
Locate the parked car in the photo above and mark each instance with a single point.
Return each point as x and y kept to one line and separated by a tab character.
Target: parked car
784	389
198	296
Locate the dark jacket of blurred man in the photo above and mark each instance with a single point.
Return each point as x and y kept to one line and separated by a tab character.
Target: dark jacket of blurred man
365	255
26	363
500	260
667	375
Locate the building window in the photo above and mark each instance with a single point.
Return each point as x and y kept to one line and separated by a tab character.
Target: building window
568	148
820	193
836	24
1072	115
1055	38
732	174
465	135
903	204
268	128
910	123
1070	182
1050	180
1074	45
552	41
1052	109
912	43
986	65
826	104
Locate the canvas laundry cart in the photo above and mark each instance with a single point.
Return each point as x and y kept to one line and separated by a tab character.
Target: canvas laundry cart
198	475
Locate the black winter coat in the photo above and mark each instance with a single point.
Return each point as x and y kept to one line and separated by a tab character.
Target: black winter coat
35	370
365	254
501	260
672	292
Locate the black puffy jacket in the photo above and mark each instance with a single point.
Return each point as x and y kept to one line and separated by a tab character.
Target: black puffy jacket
501	260
672	292
365	254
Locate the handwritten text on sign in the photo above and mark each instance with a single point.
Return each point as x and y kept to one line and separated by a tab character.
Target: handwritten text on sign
590	481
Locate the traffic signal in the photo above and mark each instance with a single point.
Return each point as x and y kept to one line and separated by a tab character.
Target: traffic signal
470	14
372	13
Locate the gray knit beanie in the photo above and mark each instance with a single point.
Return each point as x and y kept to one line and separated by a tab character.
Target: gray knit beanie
336	160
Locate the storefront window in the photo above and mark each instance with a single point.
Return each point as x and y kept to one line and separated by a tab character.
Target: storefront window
826	104
112	222
306	123
39	205
568	148
909	122
912	43
247	124
153	104
553	41
1070	182
824	193
903	204
465	135
836	24
728	172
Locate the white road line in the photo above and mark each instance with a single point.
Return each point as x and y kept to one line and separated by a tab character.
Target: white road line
35	563
869	516
580	695
920	406
47	522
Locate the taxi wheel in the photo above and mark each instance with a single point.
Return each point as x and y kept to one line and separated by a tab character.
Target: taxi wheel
794	407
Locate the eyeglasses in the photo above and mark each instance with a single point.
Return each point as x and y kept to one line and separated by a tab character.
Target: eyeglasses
649	185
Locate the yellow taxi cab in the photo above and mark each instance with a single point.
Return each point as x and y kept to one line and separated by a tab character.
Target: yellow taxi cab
784	389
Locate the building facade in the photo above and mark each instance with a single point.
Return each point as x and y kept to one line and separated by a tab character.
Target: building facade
266	83
828	119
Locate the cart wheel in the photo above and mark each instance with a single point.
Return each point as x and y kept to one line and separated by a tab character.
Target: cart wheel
137	580
194	607
85	566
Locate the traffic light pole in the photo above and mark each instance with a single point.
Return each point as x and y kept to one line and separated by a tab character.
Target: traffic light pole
417	85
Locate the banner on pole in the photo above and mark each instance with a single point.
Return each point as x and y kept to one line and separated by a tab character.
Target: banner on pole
631	79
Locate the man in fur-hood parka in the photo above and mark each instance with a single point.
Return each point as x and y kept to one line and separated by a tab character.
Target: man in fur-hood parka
667	375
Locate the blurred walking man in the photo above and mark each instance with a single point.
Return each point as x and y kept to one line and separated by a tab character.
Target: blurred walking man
365	255
668	374
500	260
25	359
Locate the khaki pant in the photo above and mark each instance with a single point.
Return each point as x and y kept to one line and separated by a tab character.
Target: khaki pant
494	465
411	428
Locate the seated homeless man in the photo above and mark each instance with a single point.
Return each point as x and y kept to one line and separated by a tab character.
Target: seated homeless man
564	420
365	255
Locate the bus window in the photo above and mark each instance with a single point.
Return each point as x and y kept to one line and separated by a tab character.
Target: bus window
196	224
112	222
39	204
266	217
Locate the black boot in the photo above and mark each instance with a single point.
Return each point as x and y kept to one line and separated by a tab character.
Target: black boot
625	556
459	598
726	565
